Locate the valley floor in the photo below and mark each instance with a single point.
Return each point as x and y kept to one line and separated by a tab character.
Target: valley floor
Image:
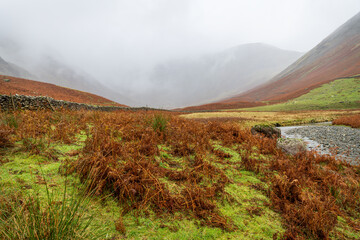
155	175
279	118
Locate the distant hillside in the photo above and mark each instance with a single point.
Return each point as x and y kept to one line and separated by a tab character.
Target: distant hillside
216	106
50	70
7	68
336	56
211	77
13	85
45	67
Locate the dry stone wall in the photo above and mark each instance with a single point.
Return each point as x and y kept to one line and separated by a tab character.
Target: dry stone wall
21	102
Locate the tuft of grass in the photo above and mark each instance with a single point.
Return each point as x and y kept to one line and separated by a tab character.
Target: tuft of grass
159	123
29	217
10	120
26	173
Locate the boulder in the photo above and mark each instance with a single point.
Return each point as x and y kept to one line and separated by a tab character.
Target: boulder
267	131
291	146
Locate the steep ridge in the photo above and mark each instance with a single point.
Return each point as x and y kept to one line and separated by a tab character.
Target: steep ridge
336	56
13	85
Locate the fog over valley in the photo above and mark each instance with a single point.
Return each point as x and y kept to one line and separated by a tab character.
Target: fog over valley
161	53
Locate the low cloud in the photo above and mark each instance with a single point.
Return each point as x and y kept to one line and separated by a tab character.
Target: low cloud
119	42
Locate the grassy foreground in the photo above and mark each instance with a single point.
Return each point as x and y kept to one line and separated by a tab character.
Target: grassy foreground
149	175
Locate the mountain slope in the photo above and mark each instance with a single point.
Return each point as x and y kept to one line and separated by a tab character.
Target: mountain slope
215	76
50	70
12	85
336	56
11	69
43	65
343	93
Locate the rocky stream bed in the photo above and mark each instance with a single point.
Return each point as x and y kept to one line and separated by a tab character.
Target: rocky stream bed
343	142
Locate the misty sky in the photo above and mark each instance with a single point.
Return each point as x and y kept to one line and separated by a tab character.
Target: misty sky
118	41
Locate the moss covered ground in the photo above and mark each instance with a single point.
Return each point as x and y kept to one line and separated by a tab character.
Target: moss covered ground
248	208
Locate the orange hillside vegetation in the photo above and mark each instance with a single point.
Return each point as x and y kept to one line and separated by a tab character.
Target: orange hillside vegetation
12	85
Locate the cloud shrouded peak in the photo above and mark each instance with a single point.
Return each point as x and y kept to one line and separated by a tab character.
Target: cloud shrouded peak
120	42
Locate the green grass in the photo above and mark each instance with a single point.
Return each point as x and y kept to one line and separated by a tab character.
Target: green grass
159	122
344	231
39	180
338	94
242	197
26	173
246	206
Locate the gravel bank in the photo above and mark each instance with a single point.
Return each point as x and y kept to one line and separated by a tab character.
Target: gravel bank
325	139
